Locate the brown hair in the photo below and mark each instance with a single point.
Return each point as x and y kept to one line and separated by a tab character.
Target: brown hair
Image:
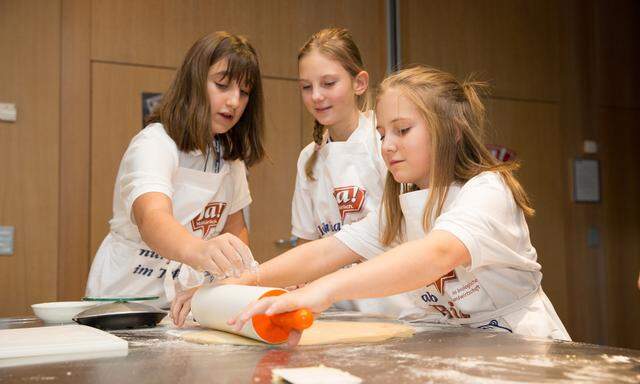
455	117
185	109
337	44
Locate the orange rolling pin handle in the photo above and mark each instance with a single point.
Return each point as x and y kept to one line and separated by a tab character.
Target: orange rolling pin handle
299	320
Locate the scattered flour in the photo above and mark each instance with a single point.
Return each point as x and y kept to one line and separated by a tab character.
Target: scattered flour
616	358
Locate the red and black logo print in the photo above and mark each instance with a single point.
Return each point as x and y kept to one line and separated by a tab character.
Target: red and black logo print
208	219
350	199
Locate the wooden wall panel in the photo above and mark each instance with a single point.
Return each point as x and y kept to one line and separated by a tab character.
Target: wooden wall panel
158	33
29	153
273	180
620	141
75	120
532	131
617	57
586	316
615	108
116	102
514	44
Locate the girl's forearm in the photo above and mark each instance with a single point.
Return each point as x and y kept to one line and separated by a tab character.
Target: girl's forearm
305	263
160	231
405	268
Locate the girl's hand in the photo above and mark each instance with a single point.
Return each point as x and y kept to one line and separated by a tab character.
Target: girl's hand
181	305
314	299
294	287
224	255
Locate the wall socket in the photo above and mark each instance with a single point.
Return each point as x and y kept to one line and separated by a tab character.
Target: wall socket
8	112
6	240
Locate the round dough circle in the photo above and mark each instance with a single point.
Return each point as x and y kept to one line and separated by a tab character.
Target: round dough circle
321	332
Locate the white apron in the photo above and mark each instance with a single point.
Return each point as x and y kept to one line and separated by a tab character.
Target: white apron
348	186
123	267
458	297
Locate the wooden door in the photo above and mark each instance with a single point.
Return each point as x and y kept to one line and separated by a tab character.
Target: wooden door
273	180
116	102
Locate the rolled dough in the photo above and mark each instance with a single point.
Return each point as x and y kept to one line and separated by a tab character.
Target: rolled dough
321	332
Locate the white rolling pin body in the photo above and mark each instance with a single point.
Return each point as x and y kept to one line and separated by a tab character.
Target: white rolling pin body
213	306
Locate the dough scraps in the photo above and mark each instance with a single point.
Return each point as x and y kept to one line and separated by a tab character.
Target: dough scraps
313	375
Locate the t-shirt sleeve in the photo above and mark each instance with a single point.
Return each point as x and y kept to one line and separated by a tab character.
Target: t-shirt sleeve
147	166
241	195
363	236
302	221
486	219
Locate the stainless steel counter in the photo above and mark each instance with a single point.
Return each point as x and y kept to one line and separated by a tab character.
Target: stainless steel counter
439	354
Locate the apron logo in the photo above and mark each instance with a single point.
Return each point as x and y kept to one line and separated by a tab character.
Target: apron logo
349	199
451	312
439	284
208	219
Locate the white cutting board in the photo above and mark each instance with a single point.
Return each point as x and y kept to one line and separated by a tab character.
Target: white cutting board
55	340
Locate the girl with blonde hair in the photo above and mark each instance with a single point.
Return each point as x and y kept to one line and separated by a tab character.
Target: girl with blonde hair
451	234
340	176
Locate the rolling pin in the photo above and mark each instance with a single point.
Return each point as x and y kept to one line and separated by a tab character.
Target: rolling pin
213	305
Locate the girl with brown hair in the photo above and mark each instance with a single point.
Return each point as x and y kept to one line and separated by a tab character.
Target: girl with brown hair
451	234
181	185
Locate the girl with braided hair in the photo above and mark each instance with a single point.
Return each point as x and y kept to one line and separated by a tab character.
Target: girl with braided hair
340	175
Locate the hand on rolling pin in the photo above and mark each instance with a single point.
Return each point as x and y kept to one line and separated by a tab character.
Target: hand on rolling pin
307	297
181	304
223	255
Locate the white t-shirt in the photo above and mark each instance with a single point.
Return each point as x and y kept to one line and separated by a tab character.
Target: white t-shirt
149	165
355	163
504	271
482	214
348	186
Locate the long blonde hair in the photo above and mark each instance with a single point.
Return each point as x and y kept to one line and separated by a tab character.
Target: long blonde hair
337	44
455	118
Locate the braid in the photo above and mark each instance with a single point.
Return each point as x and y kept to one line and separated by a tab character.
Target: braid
318	138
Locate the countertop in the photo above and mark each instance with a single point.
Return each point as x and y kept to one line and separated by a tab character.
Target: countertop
437	353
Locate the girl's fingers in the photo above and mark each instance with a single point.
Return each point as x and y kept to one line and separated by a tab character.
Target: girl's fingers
282	304
221	261
236	318
244	252
294	338
210	266
260	307
257	308
176	305
233	257
186	307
